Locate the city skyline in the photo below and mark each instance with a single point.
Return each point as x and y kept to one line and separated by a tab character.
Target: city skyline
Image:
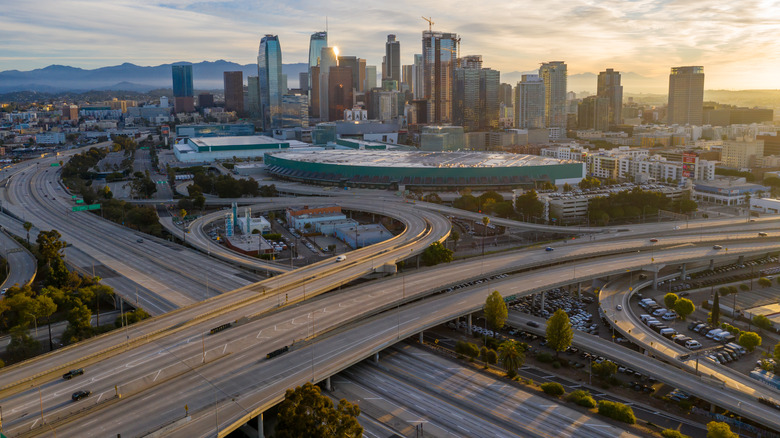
646	36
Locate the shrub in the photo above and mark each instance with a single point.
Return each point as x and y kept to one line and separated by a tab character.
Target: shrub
553	388
492	343
671	433
744	287
556	364
492	357
617	411
467	349
273	236
544	357
582	398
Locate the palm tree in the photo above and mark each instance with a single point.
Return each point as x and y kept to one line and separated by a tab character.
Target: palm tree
512	356
485	222
27	226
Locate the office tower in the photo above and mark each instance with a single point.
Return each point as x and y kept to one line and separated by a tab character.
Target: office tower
489	85
352	63
269	68
317	41
418	77
505	94
303	82
183	91
438	59
234	91
609	88
70	112
370	78
295	111
328	59
593	113
205	100
554	76
339	92
407	76
475	95
686	96
529	103
392	59
314	102
253	96
361	75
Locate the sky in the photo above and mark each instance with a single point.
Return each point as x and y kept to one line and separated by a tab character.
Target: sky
736	41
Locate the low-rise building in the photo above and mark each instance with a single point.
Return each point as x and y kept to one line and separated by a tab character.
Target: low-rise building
208	149
727	191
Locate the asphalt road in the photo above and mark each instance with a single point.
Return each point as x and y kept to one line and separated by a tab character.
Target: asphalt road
22	266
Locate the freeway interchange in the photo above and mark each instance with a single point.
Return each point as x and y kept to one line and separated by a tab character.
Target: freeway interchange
160	365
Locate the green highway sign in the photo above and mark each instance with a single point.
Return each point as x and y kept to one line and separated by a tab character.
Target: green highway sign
74	197
79	201
86	207
55	164
93	207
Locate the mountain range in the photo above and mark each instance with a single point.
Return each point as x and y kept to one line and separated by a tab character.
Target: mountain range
128	77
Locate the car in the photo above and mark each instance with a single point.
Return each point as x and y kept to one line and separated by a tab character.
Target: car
3	291
78	395
73	373
533	324
653	240
140	240
762	234
717	247
549	248
619	307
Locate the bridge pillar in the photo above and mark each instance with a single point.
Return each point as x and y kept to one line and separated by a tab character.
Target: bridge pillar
655	280
328	385
579	290
541	305
712	408
712	264
260	433
376	357
421	337
468	326
683	273
741	259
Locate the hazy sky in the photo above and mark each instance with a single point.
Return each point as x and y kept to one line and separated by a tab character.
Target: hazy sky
736	41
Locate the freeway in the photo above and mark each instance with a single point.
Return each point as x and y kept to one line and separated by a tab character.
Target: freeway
453	400
246	384
22	265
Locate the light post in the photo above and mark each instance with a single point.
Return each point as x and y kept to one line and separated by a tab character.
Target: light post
36	323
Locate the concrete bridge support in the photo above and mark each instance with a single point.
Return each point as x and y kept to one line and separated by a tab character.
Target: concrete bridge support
376	357
468	326
683	273
712	264
655	280
421	337
741	259
328	386
254	430
541	305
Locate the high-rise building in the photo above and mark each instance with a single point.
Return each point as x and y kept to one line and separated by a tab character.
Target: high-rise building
593	113
183	90
70	112
352	63
361	75
253	96
475	95
205	100
505	94
370	78
317	41
234	91
407	76
269	68
392	59
686	96
314	103
328	59
438	61
418	77
529	103
554	76
339	92
295	111
303	82
609	88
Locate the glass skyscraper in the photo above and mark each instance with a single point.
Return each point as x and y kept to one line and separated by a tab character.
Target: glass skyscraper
529	103
609	88
182	80
686	96
269	69
438	59
317	41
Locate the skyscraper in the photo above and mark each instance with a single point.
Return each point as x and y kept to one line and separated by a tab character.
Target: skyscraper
234	91
529	103
593	113
317	41
361	75
352	63
253	96
339	91
407	76
303	82
554	76
370	78
183	91
392	59
328	59
438	60
686	96
269	68
609	88
505	94
418	77
475	95
314	103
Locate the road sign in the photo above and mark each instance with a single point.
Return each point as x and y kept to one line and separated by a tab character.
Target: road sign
86	207
74	197
55	164
79	201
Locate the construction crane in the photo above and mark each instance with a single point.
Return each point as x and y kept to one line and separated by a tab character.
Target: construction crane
457	48
430	23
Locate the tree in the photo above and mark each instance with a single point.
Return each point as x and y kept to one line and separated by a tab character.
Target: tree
435	254
716	308
22	346
777	353
529	205
495	310
554	389
750	340
670	299
567	188
306	412
719	429
27	226
512	356
559	333
45	309
101	292
605	369
50	246
455	236
684	307
762	322
764	282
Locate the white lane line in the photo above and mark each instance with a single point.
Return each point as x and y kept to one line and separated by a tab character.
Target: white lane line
157	375
99	397
224	349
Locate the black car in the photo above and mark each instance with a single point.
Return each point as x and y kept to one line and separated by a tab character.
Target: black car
533	324
73	373
78	395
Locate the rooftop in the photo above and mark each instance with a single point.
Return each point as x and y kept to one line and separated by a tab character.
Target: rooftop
419	159
244	140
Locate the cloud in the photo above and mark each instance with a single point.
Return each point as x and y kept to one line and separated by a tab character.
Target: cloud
644	36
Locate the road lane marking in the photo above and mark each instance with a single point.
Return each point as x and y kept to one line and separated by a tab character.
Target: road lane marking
157	375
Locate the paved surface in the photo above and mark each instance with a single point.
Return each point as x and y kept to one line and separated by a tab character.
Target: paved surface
22	265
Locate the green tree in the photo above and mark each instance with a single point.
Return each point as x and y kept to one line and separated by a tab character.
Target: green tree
719	429
22	346
435	254
750	340
684	307
762	322
777	353
79	323
495	310
512	356
528	205
670	299
716	308
45	309
455	236
672	433
27	227
764	282
617	411
559	333
605	369
101	292
50	246
553	388
306	412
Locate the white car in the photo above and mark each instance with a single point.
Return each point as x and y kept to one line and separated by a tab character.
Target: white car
670	315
